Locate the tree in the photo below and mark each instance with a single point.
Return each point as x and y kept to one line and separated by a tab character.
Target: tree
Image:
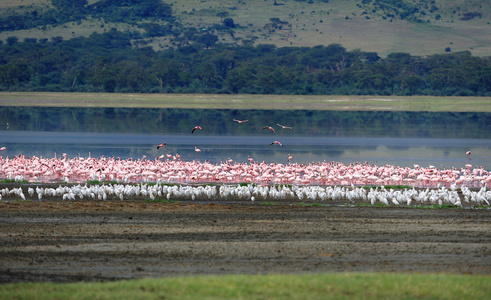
208	40
13	73
241	79
167	73
412	83
222	15
229	22
12	40
482	79
208	76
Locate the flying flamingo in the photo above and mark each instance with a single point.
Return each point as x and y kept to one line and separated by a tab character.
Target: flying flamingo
276	142
467	154
269	127
240	121
161	146
196	127
284	127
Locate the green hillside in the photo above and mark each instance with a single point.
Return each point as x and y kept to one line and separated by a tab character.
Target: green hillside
418	27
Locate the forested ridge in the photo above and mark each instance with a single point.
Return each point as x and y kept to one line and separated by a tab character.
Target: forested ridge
119	61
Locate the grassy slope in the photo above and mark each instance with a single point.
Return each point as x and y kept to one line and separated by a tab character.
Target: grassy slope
312	24
209	101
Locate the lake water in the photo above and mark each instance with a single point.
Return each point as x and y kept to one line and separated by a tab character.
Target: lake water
401	139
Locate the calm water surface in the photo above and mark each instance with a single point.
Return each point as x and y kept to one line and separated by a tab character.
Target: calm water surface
400	139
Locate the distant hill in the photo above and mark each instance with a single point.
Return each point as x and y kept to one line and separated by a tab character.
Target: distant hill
417	27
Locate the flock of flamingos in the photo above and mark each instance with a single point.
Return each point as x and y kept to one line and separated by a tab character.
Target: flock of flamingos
320	181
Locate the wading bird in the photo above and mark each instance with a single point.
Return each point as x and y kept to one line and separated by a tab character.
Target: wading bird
197	149
240	121
196	127
276	142
284	127
467	154
161	146
269	127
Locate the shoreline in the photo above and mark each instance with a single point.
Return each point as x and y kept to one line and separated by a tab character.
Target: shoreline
99	241
246	101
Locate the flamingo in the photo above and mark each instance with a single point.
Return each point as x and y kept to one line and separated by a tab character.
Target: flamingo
197	149
269	127
196	127
276	142
290	157
161	146
240	121
284	127
467	154
3	149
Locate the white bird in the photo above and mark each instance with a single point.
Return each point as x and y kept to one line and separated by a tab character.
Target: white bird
284	127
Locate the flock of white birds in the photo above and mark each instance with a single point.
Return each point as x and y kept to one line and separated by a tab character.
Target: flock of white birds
251	192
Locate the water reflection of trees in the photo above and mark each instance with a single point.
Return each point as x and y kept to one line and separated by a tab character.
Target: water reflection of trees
220	122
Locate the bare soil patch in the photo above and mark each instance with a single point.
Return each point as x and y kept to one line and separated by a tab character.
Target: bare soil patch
109	240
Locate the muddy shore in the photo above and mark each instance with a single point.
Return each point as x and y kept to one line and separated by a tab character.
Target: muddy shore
110	240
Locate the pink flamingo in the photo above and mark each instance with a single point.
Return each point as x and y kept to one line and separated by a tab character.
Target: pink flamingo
269	127
197	149
240	121
467	154
161	146
196	128
284	127
276	142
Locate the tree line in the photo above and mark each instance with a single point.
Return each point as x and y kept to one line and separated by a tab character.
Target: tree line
110	62
64	11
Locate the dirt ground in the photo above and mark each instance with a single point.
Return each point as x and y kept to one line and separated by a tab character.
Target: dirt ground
109	240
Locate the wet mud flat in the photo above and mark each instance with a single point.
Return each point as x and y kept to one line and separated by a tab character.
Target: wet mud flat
110	240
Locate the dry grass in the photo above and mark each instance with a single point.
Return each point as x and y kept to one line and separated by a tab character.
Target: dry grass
312	24
213	101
